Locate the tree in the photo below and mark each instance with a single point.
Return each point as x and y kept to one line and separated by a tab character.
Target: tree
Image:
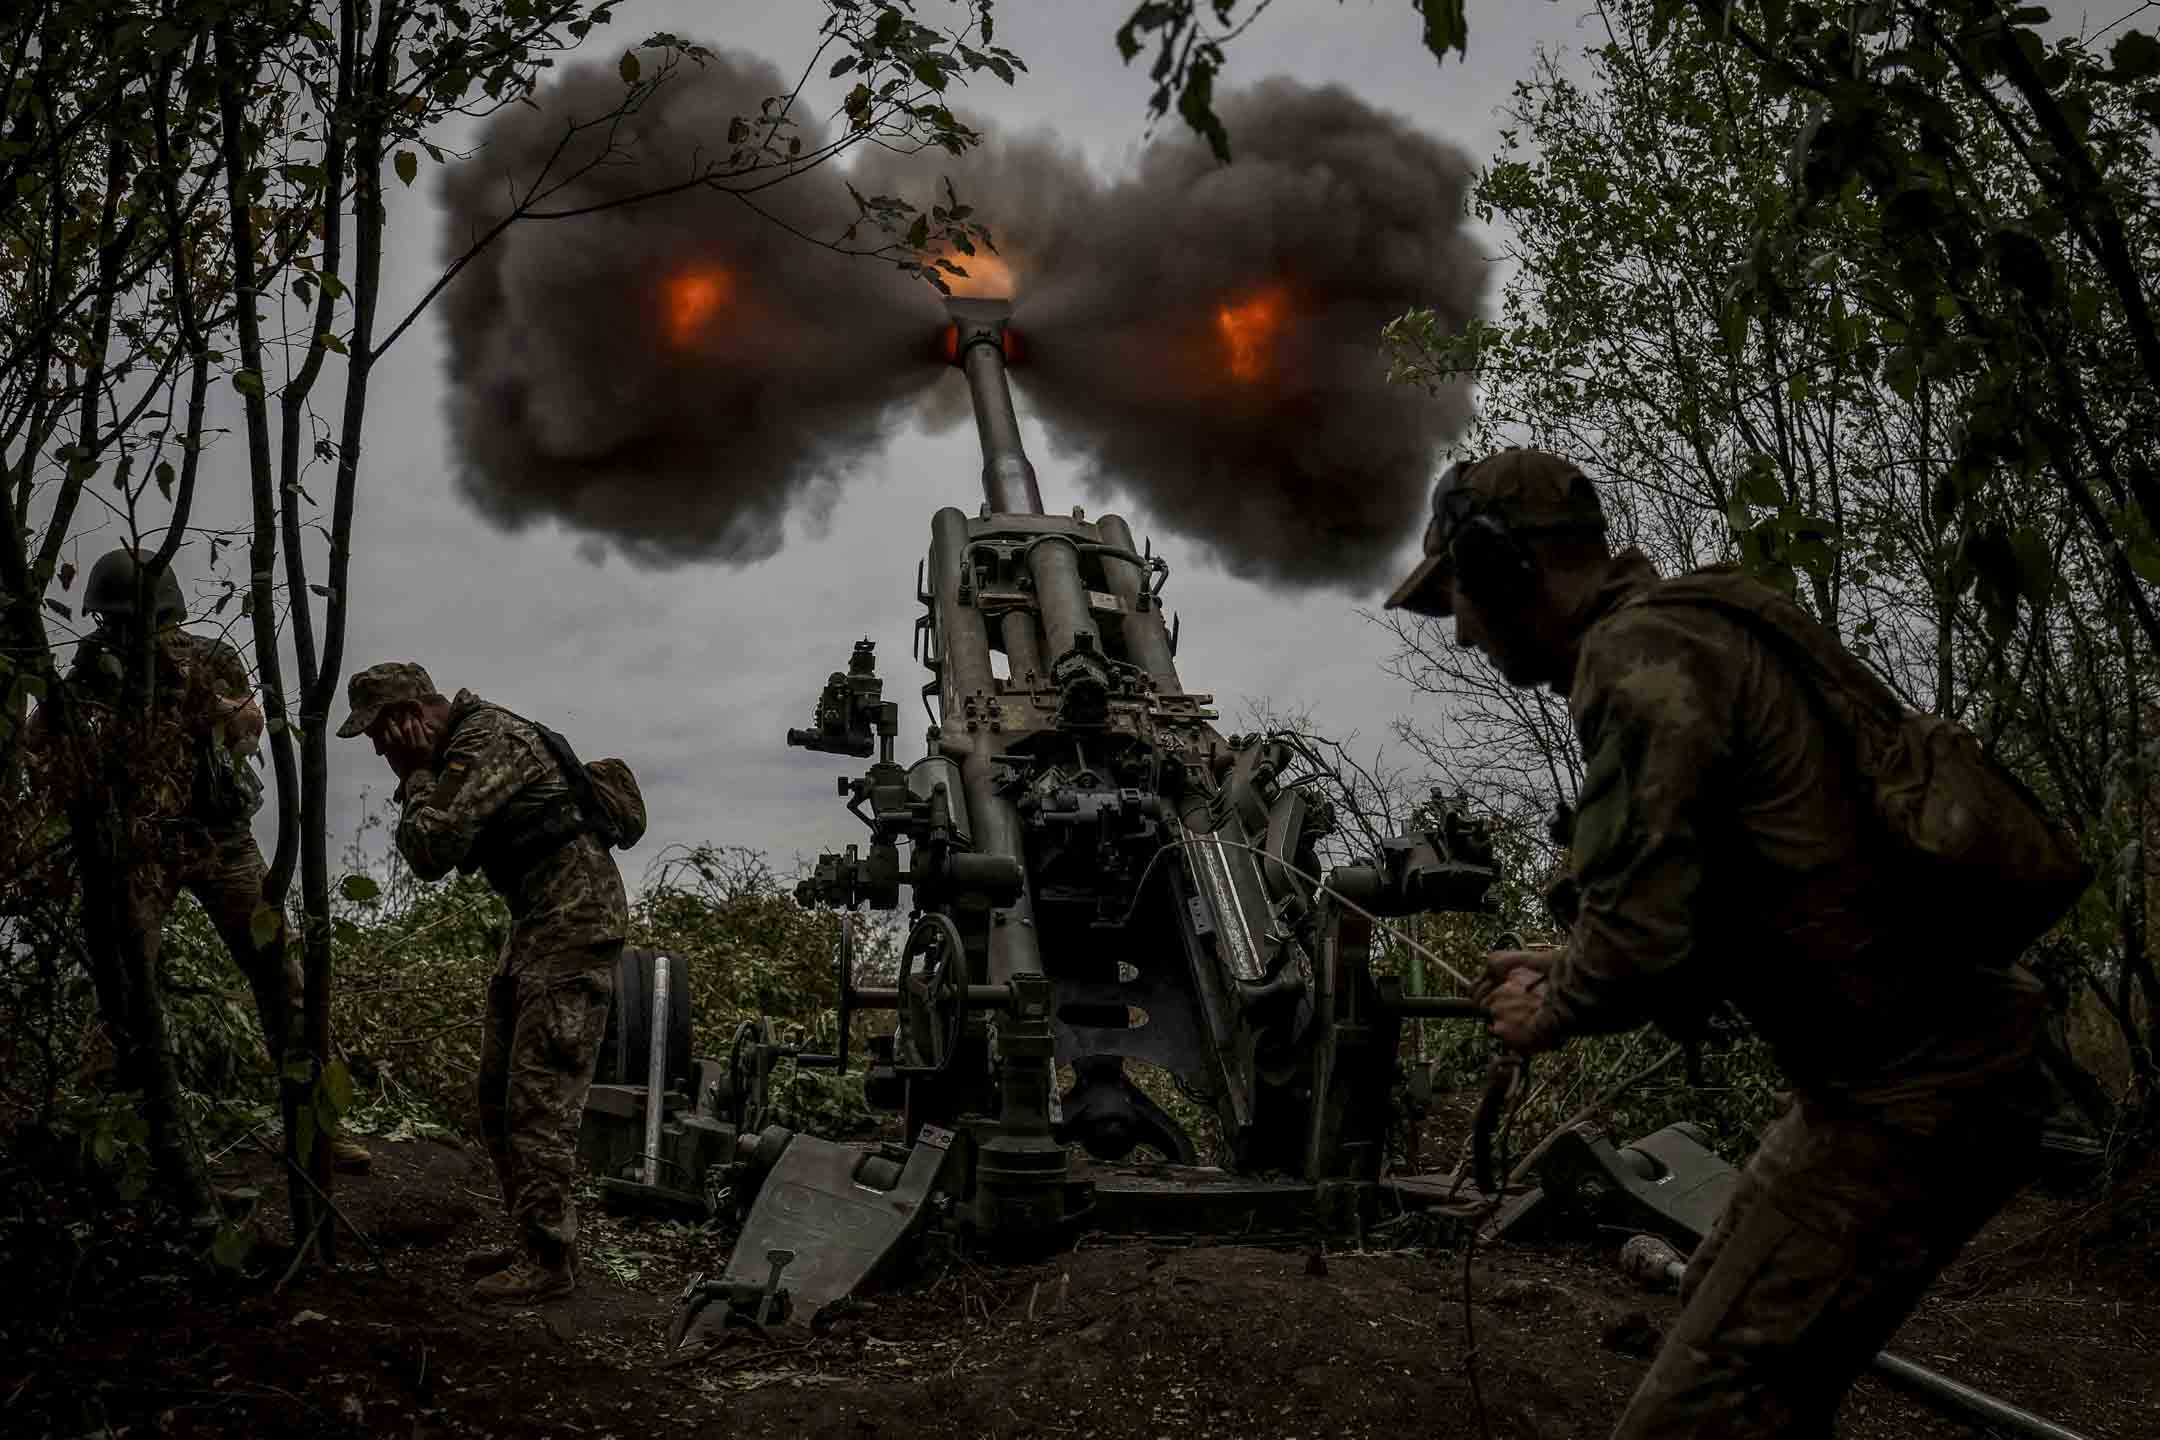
1192	48
1751	396
201	202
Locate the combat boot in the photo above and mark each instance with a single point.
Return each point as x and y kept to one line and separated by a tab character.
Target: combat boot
488	1259
525	1283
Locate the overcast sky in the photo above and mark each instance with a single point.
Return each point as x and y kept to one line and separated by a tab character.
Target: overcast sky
694	674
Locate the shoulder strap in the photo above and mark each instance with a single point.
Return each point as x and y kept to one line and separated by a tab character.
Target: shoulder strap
1788	629
575	776
565	758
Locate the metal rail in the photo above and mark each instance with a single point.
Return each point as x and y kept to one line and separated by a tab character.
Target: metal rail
1952	1397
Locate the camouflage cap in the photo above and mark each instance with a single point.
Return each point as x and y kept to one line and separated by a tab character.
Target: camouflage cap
1533	491
374	689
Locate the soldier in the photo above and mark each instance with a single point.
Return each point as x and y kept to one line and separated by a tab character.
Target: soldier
206	793
1726	847
479	789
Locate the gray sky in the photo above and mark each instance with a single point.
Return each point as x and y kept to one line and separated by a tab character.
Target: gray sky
694	674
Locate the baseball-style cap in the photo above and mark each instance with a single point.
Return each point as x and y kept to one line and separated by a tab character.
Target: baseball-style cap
379	686
1533	491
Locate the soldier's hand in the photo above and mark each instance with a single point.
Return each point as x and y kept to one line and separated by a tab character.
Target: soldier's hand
1516	1004
1499	964
405	744
241	720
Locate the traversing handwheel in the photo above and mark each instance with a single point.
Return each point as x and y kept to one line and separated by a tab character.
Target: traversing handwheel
935	993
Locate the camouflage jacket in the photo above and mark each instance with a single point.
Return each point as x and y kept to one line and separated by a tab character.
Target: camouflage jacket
1726	847
190	673
481	803
189	667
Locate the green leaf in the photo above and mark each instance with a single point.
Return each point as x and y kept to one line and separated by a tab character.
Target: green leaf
629	67
331	342
1445	27
230	1249
2135	56
1197	106
164	474
359	889
337	1086
1759	483
2144	558
918	234
264	925
248	382
407	165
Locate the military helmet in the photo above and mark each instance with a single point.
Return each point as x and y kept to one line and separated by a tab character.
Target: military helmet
111	589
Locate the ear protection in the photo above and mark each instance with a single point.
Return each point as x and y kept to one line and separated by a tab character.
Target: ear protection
1490	555
1491	561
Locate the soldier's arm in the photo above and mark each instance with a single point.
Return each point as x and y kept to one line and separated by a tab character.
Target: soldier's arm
1653	716
444	811
227	671
238	714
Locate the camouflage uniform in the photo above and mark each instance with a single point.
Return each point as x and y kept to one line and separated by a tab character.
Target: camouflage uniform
207	849
492	799
1724	846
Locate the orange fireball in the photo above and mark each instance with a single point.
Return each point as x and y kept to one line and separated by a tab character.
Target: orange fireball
1248	332
692	297
988	277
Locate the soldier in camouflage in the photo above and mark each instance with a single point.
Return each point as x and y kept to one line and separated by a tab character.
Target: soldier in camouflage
1726	848
479	791
203	791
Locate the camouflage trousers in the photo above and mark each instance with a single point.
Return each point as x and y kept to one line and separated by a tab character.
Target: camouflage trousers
1837	1228
224	870
546	1015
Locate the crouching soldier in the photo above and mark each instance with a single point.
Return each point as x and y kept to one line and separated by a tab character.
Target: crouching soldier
480	788
1762	822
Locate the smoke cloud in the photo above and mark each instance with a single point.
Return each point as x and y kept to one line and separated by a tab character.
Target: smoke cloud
678	375
1201	338
1205	338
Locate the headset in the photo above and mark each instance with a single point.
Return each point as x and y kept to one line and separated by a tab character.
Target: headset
1490	555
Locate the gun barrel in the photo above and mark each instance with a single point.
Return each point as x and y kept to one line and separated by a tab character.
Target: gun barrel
1008	477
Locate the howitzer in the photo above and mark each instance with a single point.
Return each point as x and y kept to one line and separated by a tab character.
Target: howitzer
1097	874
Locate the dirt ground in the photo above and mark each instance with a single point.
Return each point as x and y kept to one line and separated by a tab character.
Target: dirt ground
2055	1308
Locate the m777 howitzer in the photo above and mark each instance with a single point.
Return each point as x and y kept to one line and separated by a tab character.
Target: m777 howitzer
1095	876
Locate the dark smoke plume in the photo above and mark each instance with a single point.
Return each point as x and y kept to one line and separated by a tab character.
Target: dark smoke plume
679	374
1204	338
1142	300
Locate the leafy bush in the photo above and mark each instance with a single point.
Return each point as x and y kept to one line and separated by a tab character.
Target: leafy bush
414	962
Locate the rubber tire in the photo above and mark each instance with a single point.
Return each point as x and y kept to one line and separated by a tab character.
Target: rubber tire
626	1044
